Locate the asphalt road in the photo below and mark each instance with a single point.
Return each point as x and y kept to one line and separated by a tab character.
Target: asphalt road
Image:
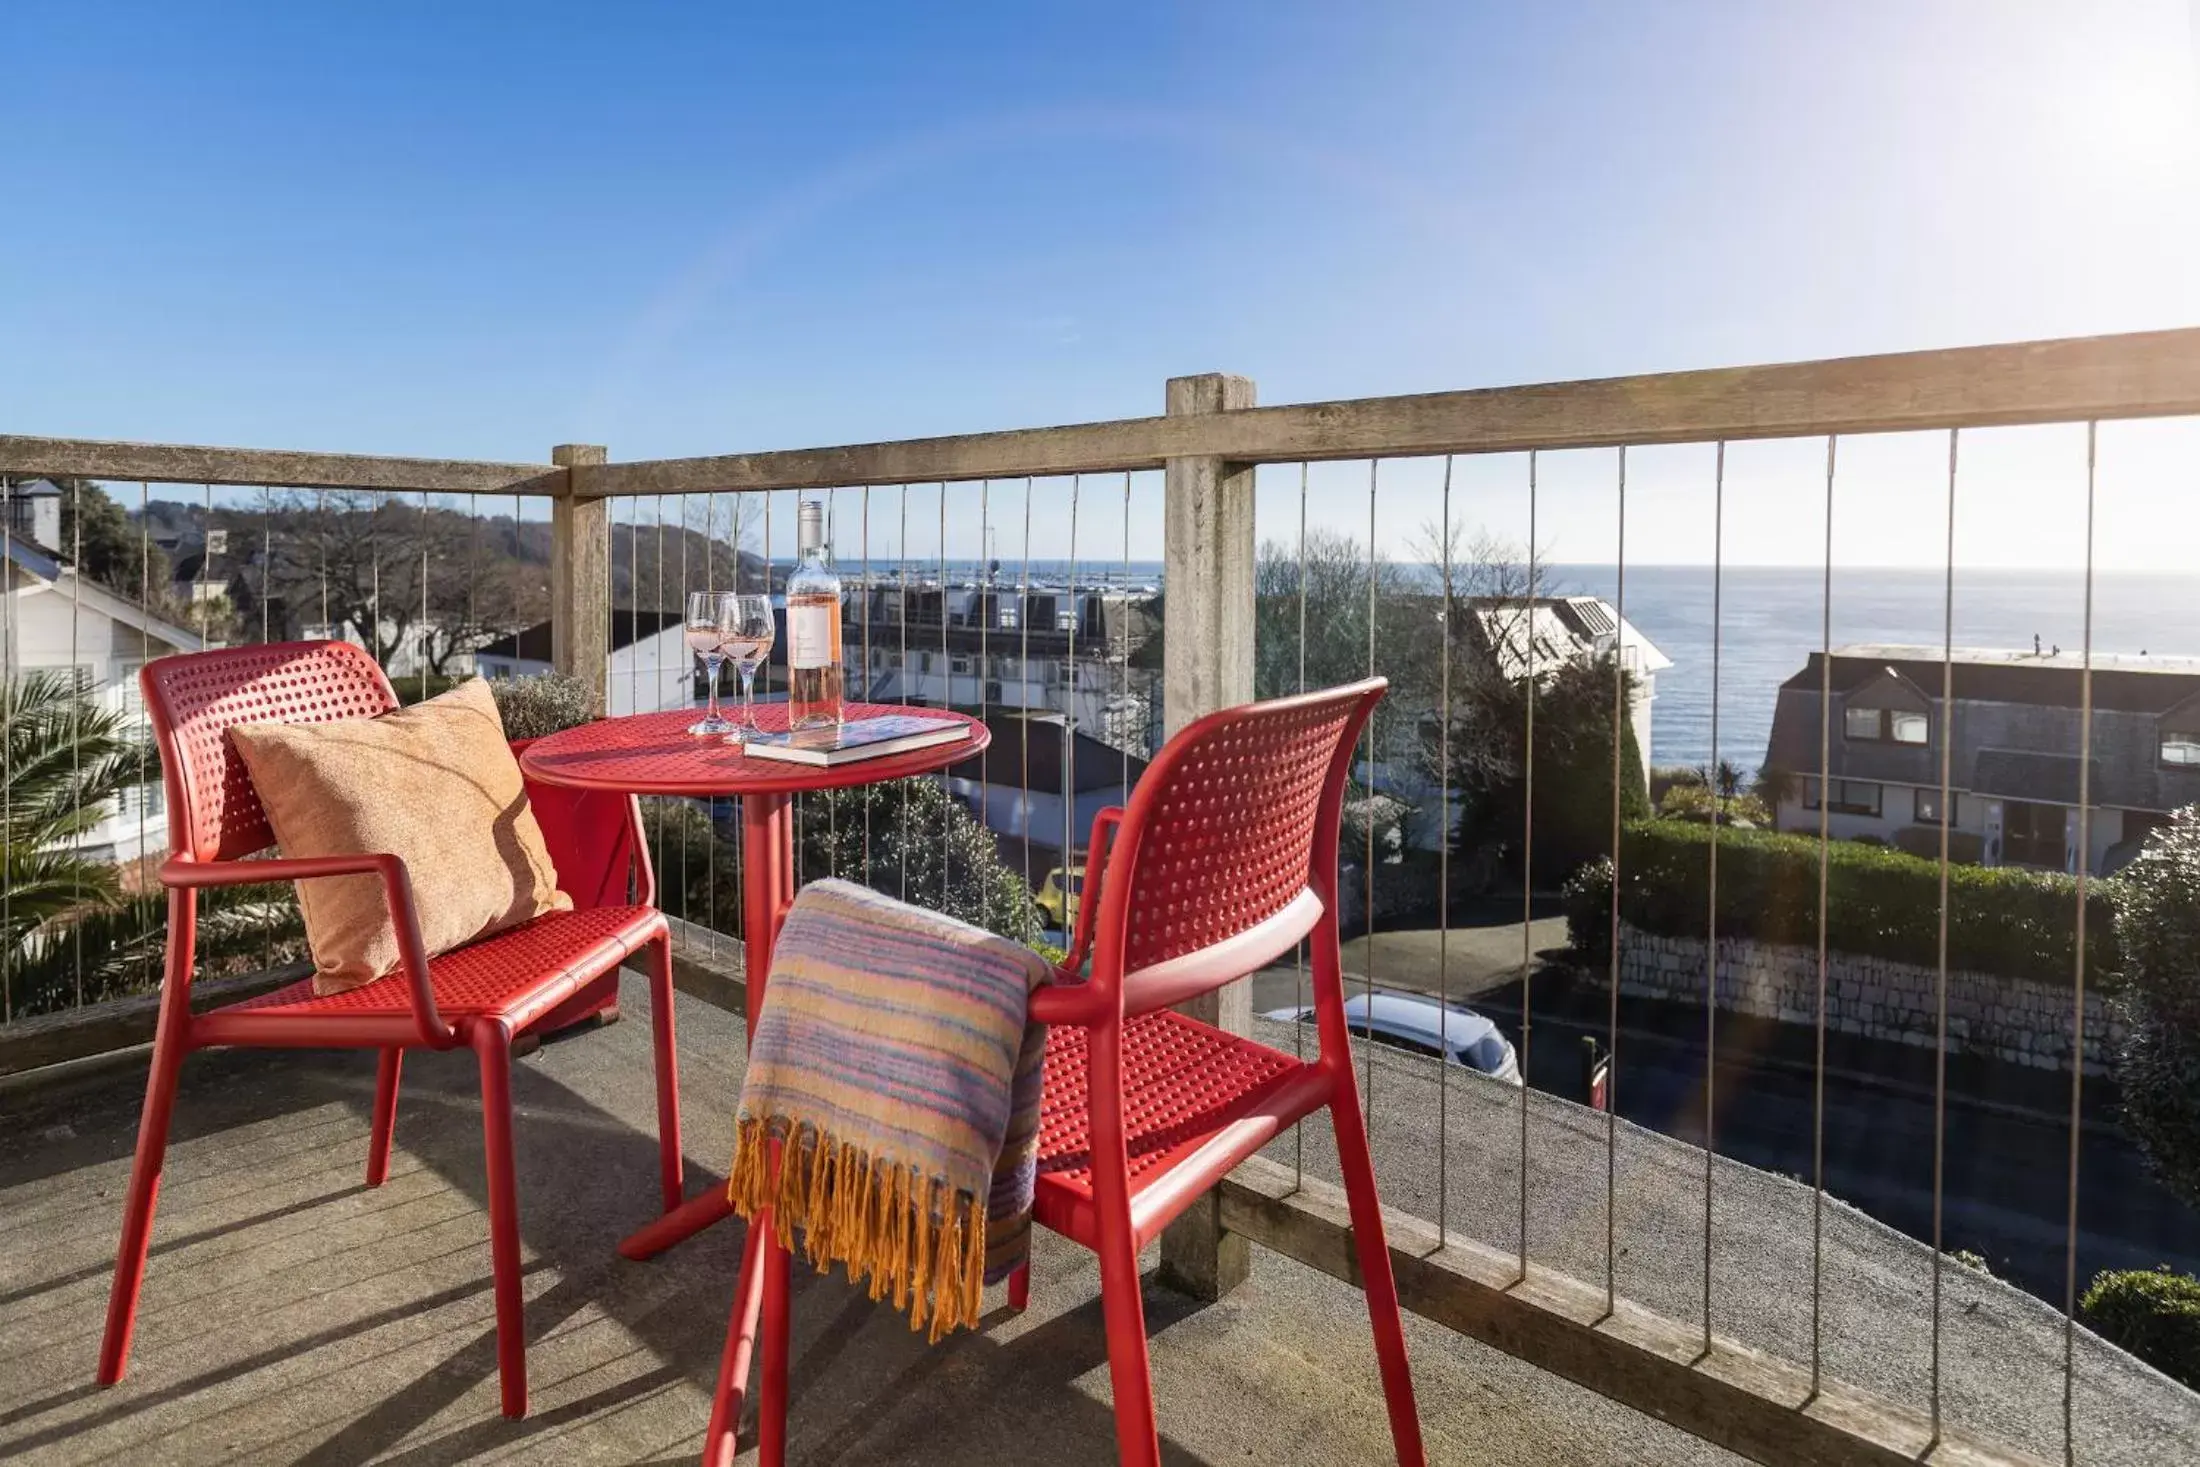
2005	1161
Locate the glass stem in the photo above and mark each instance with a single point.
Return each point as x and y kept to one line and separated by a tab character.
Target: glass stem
748	696
712	664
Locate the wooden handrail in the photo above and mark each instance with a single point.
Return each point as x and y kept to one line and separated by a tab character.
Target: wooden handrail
2138	375
2134	375
177	463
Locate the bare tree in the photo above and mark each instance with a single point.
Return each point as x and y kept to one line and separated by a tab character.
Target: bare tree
403	575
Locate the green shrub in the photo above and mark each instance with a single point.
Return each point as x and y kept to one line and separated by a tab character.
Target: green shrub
1881	903
1586	901
2157	900
415	687
1575	769
1664	778
697	872
911	839
907	838
1696	802
534	707
2153	1313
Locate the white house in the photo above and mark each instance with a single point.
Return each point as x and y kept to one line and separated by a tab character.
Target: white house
57	620
651	668
1038	648
1537	637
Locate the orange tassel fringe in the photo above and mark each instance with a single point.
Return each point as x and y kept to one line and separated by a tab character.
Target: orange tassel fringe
907	1237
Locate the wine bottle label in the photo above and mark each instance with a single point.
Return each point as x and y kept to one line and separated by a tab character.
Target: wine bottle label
810	636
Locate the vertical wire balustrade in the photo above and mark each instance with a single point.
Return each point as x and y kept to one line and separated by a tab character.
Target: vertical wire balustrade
947	631
211	563
383	556
1711	1310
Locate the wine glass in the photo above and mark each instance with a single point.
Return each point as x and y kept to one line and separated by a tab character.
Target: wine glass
709	623
748	644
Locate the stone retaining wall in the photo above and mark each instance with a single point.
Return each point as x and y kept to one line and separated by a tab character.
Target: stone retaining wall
2012	1019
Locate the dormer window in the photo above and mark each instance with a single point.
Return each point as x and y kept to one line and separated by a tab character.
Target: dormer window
1887	709
2179	735
1885	725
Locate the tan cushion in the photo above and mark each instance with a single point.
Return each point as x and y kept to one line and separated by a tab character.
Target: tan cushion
434	784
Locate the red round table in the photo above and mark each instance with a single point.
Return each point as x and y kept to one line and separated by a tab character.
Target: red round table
654	754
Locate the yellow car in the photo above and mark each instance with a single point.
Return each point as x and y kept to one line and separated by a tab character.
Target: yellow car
1057	898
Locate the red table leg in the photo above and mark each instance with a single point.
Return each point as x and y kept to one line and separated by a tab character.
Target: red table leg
768	883
733	1368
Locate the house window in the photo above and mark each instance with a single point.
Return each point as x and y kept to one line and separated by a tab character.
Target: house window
2182	748
1850	796
1884	725
1926	807
1856	797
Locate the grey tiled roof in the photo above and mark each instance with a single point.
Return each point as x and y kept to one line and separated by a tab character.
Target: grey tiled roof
2017	732
2020	774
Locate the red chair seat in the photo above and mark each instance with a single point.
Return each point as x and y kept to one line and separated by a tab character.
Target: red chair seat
1191	1094
517	976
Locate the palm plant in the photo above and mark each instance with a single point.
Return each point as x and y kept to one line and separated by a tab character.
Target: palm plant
69	932
1728	778
67	757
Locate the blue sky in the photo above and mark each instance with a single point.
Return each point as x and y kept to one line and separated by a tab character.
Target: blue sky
481	229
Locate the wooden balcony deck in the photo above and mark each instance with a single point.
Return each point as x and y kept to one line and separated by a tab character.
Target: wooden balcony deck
293	1315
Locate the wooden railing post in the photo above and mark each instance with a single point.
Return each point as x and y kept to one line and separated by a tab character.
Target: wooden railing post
1207	663
580	577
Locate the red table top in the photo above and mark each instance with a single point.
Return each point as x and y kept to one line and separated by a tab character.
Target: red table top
654	754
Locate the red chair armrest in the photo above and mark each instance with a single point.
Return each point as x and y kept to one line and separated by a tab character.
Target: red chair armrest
1070	1002
1088	889
412	952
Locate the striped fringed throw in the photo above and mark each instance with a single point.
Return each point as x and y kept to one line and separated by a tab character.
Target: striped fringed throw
894	1066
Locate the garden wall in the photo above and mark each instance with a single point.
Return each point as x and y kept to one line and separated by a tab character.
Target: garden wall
2013	1019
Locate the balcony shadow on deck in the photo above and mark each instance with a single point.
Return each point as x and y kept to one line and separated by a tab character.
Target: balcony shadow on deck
293	1315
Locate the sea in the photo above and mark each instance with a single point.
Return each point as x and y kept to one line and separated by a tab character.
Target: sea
1771	618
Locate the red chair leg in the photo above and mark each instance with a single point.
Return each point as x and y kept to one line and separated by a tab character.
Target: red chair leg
1137	1441
771	1397
669	1166
1019	1288
1358	1166
492	1044
169	1047
733	1366
385	1116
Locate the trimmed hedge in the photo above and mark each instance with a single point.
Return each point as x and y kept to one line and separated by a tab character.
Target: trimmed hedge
2153	1313
1881	902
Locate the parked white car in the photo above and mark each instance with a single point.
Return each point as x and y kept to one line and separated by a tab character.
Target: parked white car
1420	1025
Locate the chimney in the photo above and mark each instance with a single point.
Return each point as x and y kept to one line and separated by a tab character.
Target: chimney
34	513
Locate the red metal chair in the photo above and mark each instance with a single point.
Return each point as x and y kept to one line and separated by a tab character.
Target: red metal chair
1225	859
534	978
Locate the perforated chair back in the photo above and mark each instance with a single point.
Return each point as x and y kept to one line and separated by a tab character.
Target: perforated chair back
1227	854
193	699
